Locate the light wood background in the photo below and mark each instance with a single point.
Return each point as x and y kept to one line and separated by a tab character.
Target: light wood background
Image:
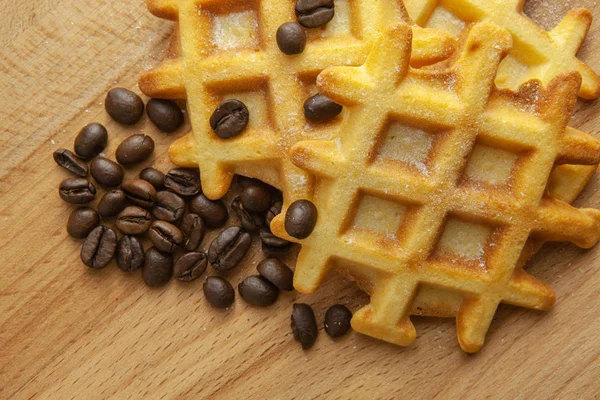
69	332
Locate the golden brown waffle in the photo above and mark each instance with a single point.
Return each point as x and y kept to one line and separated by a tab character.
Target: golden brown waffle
228	50
536	54
436	185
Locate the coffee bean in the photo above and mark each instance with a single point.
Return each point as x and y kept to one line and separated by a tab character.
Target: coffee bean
274	211
244	181
291	38
106	172
99	247
228	249
229	119
258	291
134	149
300	219
218	292
124	106
140	192
272	241
256	198
168	207
70	162
193	229
165	114
277	273
190	266
90	141
166	237
82	221
158	267
134	221
130	253
213	212
112	203
304	325
154	176
337	320
321	109
183	181
249	221
314	13
77	190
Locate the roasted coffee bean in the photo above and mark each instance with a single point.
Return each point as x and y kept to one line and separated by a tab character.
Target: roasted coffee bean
321	109
124	106
244	181
193	229
106	172
140	192
277	273
77	190
165	236
272	241
165	114
274	211
258	291
154	176
256	198
291	38
213	212
99	247
300	219
82	221
70	162
168	207
228	249
183	181
314	13
134	221
304	325
249	221
130	253
337	320
190	266
158	267
134	149
218	292
91	141
112	203
229	119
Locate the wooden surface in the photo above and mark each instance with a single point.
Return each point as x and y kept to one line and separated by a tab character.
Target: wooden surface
69	332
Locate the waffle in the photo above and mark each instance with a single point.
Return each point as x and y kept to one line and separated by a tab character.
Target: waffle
536	53
437	186
228	50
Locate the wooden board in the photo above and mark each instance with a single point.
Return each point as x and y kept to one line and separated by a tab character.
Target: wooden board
69	332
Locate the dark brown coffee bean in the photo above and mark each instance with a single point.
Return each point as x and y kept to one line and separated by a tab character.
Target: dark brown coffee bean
272	241
99	247
112	203
82	221
124	106
277	273
130	253
256	198
134	149
91	141
166	237
77	190
314	13
70	162
139	192
218	292
158	267
193	229
300	219
304	325
321	109
274	211
106	172
213	212
229	119
154	176
291	38
244	181
258	291
190	266
165	114
168	207
249	221
134	221
228	249
337	320
183	181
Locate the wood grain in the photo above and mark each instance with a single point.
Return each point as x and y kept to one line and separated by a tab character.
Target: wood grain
69	332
